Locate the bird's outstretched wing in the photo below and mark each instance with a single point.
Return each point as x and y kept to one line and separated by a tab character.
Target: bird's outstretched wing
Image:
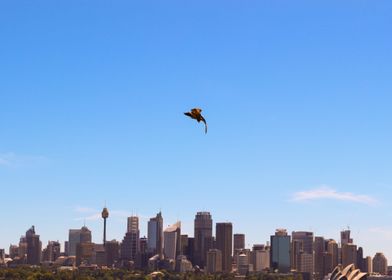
188	114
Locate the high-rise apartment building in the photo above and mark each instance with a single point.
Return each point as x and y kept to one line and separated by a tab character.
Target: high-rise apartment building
224	243
280	251
155	235
112	252
203	238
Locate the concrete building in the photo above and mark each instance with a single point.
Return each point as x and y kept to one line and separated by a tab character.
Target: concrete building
155	236
260	258
34	247
345	237
333	250
224	243
130	245
77	236
239	241
112	252
280	251
214	261
203	238
380	264
349	254
319	257
172	239
368	264
51	252
302	252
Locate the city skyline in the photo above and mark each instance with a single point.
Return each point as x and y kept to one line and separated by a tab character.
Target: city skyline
297	96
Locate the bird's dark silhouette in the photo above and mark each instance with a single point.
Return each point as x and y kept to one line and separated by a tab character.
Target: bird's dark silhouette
195	113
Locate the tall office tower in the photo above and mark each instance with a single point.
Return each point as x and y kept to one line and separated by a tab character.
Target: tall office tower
66	248
2	255
380	264
203	238
333	250
84	253
51	252
191	248
327	263
13	251
142	256
360	261
130	245
280	251
345	237
319	257
184	245
214	261
133	224
260	257
33	247
77	236
349	254
112	251
171	241
105	215
22	247
302	253
224	243
368	265
239	241
155	235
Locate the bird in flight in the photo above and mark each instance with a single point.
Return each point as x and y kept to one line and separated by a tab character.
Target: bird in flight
195	113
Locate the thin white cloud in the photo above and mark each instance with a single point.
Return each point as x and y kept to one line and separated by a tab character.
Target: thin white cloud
325	192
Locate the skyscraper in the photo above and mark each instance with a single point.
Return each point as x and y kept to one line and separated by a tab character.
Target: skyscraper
51	252
319	257
333	250
239	241
214	261
34	247
130	245
224	243
171	241
280	251
260	257
349	254
345	237
203	237
77	236
380	264
155	235
302	256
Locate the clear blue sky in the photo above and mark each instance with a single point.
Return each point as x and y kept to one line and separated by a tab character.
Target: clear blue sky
297	95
